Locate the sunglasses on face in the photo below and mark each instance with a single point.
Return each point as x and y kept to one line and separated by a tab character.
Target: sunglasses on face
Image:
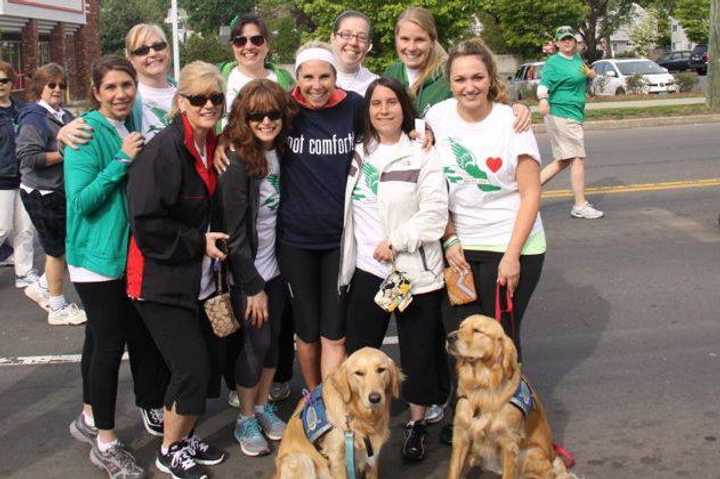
5	81
145	49
201	100
240	41
260	116
52	85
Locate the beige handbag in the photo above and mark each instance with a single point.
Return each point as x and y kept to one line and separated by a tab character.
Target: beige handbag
460	286
219	309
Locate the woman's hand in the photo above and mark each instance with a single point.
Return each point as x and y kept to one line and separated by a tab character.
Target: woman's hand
211	248
256	310
383	252
544	107
132	144
428	140
509	272
75	133
456	258
523	117
221	161
587	71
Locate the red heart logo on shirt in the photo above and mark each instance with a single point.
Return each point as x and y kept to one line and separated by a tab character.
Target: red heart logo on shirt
494	164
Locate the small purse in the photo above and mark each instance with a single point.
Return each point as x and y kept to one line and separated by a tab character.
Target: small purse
460	286
394	292
219	309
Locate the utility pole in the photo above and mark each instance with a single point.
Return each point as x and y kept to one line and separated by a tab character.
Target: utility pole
175	42
713	88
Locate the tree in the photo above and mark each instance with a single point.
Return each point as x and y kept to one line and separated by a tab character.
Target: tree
604	17
286	25
207	48
694	16
645	34
207	16
118	16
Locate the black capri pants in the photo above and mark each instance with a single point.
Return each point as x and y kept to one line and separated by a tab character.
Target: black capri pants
484	265
420	335
112	323
318	308
181	338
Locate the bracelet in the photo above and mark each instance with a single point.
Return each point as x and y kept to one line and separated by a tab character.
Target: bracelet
449	240
450	243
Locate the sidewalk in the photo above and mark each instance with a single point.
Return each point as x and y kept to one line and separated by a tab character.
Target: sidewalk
609	105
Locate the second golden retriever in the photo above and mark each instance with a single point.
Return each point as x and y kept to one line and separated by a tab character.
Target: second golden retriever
356	398
488	429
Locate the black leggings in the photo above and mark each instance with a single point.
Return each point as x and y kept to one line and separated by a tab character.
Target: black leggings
484	265
258	347
420	333
112	323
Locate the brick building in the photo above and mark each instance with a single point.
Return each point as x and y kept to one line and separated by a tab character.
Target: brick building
35	32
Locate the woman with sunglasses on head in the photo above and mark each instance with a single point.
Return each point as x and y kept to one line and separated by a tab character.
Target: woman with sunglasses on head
250	194
493	172
395	214
171	200
351	40
42	188
97	245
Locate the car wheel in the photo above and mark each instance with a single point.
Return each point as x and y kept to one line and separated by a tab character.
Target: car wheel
620	91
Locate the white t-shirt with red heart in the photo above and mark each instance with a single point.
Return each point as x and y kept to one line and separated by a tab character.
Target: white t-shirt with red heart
480	161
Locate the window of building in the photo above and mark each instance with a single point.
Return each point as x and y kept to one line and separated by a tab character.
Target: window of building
11	52
43	52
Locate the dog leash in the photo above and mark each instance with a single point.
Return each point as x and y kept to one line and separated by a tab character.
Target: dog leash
507	309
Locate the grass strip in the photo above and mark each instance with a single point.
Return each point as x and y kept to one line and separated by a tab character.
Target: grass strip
645	112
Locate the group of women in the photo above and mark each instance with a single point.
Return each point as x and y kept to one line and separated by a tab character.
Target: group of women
326	190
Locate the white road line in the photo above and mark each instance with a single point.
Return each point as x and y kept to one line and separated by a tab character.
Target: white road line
75	358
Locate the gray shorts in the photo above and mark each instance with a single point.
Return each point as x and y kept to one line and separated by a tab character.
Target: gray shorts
567	137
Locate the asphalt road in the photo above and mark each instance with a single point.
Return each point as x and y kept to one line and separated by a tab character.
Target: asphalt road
622	338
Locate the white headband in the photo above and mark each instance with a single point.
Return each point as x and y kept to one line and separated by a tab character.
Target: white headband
315	53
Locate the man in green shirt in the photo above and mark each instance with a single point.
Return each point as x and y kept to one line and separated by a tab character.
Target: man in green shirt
561	94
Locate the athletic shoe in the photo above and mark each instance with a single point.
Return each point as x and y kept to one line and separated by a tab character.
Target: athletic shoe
69	314
279	392
271	425
446	434
414	446
179	463
434	413
27	280
117	462
247	433
233	399
586	211
153	420
203	452
82	431
38	294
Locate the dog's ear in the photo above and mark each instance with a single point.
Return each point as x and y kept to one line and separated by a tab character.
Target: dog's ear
340	381
509	357
396	377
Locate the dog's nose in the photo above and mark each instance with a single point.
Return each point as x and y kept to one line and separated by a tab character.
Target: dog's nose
374	398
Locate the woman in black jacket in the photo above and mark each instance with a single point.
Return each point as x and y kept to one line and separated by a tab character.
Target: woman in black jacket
171	197
250	192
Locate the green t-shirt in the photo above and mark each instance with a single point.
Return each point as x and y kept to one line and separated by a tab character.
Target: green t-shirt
567	86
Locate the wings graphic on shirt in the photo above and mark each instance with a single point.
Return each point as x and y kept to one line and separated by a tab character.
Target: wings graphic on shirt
466	161
371	176
273	200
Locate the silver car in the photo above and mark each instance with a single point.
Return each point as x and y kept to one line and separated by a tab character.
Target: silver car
525	81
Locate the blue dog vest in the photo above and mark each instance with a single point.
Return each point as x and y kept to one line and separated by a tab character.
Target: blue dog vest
522	399
314	417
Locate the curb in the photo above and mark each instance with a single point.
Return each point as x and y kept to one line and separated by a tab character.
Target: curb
641	122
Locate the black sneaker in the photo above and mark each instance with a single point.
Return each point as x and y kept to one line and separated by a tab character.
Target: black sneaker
204	453
179	463
446	434
153	420
414	446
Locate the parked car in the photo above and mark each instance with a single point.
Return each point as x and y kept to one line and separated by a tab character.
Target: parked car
526	79
615	76
675	61
699	59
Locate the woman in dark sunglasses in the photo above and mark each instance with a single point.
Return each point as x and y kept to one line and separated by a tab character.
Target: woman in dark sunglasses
250	195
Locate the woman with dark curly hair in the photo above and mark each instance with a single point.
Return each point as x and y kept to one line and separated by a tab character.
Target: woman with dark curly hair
250	194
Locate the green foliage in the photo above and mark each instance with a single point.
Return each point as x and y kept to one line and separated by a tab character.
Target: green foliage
645	34
453	18
207	48
694	16
207	16
603	18
118	16
686	81
635	84
282	21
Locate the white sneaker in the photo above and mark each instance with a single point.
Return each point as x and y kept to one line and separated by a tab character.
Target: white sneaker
25	281
69	314
434	414
38	294
586	211
233	399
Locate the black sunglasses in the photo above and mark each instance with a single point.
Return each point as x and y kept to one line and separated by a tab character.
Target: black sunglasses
52	85
259	116
5	81
240	41
145	49
201	100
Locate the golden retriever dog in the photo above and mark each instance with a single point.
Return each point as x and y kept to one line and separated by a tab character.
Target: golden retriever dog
488	430
357	398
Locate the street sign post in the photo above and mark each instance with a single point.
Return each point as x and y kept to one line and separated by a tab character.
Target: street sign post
175	42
